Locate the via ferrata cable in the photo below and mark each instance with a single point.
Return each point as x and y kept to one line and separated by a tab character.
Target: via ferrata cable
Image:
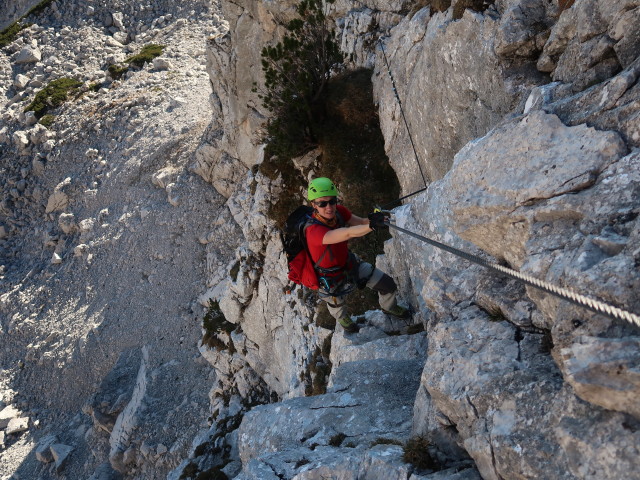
589	303
415	153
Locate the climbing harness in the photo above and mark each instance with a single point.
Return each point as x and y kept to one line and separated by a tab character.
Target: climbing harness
415	153
563	293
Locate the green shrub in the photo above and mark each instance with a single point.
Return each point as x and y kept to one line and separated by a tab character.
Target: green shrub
117	71
297	71
215	323
9	34
47	120
39	8
148	53
476	5
416	452
337	439
53	95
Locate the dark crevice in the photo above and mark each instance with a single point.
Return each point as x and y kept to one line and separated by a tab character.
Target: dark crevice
336	406
475	410
518	337
273	469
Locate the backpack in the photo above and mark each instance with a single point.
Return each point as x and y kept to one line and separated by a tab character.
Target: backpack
302	269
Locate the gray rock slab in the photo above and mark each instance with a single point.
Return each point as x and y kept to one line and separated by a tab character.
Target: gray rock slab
604	371
17	425
43	450
455	473
370	344
369	400
7	414
115	390
60	454
306	464
28	55
384	462
105	472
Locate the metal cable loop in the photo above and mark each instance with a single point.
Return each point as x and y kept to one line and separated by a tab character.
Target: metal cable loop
563	293
406	124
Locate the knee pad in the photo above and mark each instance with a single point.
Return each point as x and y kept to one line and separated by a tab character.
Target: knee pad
385	285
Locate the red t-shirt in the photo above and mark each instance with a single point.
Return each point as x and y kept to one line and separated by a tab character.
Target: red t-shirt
338	254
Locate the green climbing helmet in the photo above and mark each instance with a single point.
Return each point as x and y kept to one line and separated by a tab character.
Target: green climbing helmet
321	187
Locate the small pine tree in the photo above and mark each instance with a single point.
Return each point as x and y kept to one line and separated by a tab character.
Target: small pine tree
296	72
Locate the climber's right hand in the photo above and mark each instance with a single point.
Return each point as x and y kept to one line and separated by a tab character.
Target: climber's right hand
378	221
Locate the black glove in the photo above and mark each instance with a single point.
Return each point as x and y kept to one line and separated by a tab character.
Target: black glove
376	221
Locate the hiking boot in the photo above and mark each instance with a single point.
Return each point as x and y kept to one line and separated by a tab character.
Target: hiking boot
349	325
398	311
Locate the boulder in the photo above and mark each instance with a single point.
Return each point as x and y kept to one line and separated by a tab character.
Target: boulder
117	20
162	64
20	81
57	201
60	454
21	139
17	425
67	223
7	414
368	398
43	450
28	55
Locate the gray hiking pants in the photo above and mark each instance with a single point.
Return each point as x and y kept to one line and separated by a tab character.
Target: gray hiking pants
376	280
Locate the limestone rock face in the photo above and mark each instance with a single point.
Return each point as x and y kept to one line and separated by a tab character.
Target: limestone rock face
231	51
515	383
592	41
549	231
541	167
142	277
13	10
367	397
450	93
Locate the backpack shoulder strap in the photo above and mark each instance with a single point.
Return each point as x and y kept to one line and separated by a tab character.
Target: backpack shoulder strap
311	221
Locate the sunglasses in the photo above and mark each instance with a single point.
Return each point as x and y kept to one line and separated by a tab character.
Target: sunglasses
324	203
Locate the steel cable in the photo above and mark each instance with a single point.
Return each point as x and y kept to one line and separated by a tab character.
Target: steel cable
406	124
563	293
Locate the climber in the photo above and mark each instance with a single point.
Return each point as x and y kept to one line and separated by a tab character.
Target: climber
327	238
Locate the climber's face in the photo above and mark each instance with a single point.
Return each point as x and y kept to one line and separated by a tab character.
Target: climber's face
326	206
